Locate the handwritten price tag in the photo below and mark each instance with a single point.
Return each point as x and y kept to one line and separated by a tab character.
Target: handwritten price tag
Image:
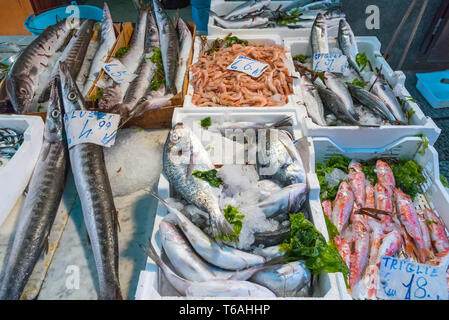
249	66
337	63
91	127
405	280
118	72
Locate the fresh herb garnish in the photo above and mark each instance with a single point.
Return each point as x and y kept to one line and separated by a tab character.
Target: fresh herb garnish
306	243
424	144
121	52
301	58
358	82
429	222
408	175
321	169
291	17
370	174
230	41
40	108
206	122
232	216
159	76
331	228
363	61
208	176
97	96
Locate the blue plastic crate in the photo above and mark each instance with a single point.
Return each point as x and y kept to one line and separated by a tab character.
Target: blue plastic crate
434	88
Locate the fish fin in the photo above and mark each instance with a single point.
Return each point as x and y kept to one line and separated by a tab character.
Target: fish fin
175	19
284	122
151	252
220	226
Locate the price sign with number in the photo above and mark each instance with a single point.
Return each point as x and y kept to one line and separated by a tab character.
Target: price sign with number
405	280
249	66
336	63
118	72
91	127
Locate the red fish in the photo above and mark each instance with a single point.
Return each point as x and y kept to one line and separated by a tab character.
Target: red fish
359	258
385	176
344	249
327	208
437	230
384	201
425	232
342	206
391	243
357	182
370	201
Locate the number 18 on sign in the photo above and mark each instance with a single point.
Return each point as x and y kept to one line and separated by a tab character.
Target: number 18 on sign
405	280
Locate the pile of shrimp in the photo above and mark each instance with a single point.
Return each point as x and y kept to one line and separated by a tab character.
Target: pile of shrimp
215	85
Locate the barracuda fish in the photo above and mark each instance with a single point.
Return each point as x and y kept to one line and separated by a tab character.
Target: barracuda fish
357	182
73	55
183	154
211	288
92	48
94	190
313	102
338	87
342	206
278	158
348	44
247	8
284	280
107	42
169	47
437	231
224	257
288	200
382	89
241	23
318	35
185	40
23	79
371	101
41	204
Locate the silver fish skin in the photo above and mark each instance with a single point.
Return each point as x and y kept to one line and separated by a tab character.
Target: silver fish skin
23	79
337	107
341	90
152	34
73	54
224	257
242	23
318	36
382	89
312	100
247	8
169	47
84	70
211	288
94	190
284	280
289	199
371	101
41	204
106	43
296	4
348	45
271	238
283	122
185	41
266	188
278	158
319	5
270	252
183	154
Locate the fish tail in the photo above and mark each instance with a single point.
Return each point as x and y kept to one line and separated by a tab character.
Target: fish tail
220	225
151	252
284	122
143	5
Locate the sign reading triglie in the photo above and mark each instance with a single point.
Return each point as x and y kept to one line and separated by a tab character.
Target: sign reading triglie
405	280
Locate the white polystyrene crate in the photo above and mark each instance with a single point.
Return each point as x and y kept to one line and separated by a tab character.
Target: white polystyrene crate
435	195
252	40
224	7
354	136
152	283
14	177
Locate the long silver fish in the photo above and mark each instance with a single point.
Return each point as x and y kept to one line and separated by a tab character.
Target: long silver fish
371	101
382	89
246	8
348	44
284	280
94	190
107	42
242	23
41	204
296	4
341	90
312	100
271	238
318	35
337	107
23	79
185	40
92	48
169	47
73	54
211	288
183	154
278	158
224	257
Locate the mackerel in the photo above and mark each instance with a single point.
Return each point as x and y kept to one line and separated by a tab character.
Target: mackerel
94	190
41	204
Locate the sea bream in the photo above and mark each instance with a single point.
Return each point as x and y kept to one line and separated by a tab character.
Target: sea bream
246	8
211	288
169	47
23	79
183	154
41	203
94	191
107	42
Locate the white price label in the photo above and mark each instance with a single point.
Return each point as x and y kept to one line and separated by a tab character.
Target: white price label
405	280
91	127
118	72
336	63
249	66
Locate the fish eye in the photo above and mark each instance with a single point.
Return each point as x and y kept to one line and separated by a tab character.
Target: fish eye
23	91
72	96
55	113
175	137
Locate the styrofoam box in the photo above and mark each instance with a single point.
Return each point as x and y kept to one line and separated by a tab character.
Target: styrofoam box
152	283
252	40
434	195
354	136
224	7
14	177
